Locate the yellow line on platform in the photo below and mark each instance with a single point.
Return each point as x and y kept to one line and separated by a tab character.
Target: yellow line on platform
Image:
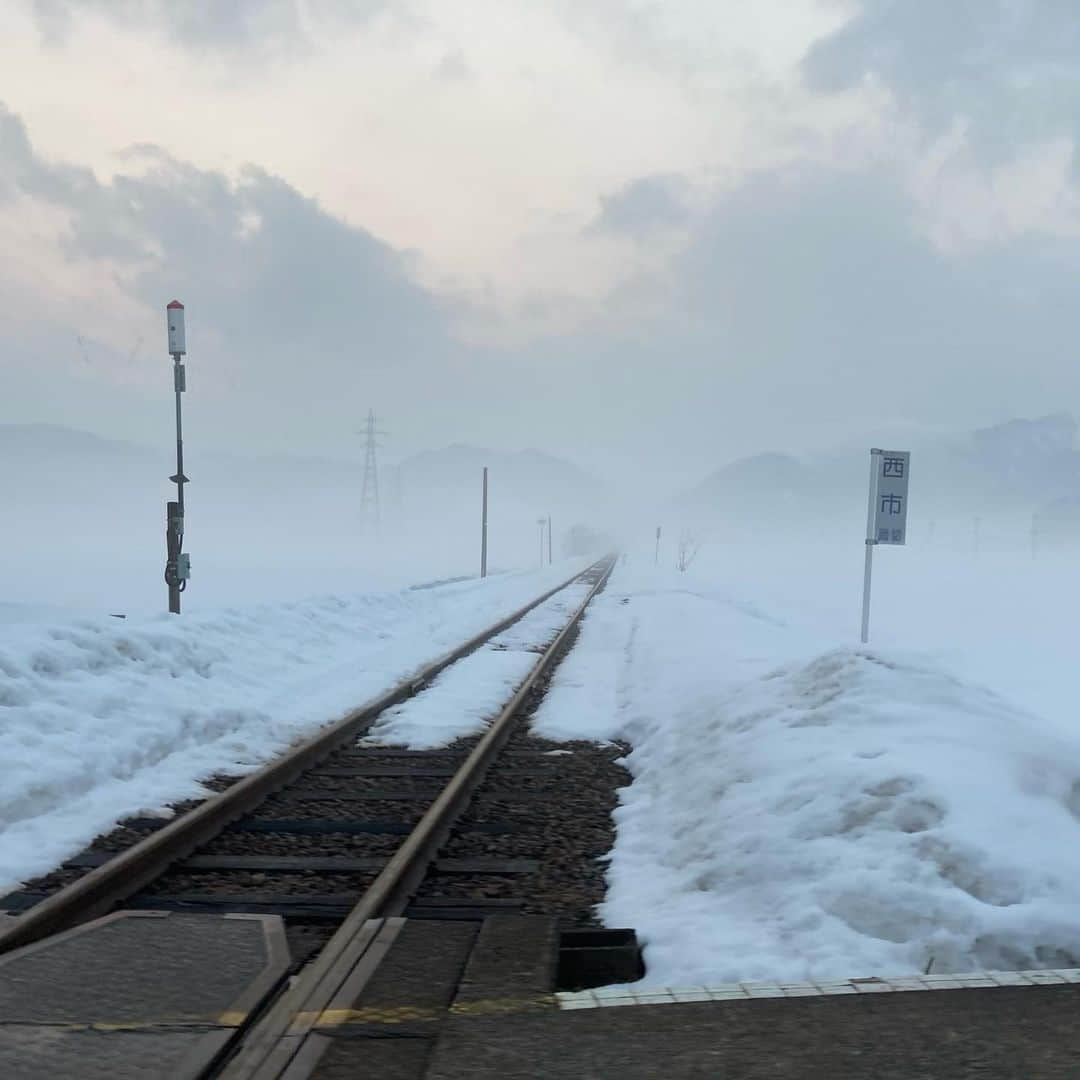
403	1014
328	1018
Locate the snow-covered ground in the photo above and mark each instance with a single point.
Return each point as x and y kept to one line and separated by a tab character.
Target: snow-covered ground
103	718
803	807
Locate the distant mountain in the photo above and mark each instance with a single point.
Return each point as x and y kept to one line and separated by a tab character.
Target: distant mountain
1025	461
750	485
526	475
49	441
749	476
1028	457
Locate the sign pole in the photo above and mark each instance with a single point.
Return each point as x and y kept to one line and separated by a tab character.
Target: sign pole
868	567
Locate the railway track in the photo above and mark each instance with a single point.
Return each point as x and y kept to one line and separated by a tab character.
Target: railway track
343	836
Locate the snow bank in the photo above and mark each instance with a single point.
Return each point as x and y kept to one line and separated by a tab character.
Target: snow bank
805	809
104	718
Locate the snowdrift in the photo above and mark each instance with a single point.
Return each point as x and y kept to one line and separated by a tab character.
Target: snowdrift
805	814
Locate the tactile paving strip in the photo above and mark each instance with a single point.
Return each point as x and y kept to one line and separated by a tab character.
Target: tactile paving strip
624	994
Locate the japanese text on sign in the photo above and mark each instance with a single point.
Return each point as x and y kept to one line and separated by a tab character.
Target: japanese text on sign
891	496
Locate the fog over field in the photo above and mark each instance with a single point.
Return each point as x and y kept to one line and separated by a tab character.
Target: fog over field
283	527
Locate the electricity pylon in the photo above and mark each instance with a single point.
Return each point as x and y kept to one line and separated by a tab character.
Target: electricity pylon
370	514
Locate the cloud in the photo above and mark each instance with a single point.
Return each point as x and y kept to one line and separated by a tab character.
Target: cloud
493	178
1005	69
808	308
644	205
985	97
803	306
452	67
820	264
289	308
262	24
244	247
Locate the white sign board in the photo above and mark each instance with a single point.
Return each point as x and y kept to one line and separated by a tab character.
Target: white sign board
886	513
889	519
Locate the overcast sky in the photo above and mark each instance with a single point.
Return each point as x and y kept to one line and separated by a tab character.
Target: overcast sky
649	236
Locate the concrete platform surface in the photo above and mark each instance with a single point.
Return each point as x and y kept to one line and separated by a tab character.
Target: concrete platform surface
504	1022
135	994
1003	1034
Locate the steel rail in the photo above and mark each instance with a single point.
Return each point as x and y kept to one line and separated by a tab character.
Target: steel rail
103	888
278	1036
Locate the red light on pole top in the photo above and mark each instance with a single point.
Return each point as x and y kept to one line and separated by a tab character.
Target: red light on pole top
174	312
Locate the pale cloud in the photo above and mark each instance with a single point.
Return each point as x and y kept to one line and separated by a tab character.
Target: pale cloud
727	226
985	97
965	205
282	294
491	179
274	28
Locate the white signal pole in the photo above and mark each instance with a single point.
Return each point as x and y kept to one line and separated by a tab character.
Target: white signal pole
178	564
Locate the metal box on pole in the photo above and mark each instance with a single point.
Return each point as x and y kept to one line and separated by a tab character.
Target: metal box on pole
174	312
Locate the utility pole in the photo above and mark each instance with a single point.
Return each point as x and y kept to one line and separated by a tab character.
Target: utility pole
656	559
549	539
483	529
370	513
178	564
541	522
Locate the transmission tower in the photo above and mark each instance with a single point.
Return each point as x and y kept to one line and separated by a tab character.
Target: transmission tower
370	516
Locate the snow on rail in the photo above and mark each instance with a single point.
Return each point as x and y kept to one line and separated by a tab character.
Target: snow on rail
462	699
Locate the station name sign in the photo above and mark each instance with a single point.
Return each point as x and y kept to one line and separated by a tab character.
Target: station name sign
892	471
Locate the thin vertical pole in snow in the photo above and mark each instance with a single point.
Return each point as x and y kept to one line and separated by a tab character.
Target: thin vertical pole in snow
656	559
178	564
483	530
549	539
870	542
